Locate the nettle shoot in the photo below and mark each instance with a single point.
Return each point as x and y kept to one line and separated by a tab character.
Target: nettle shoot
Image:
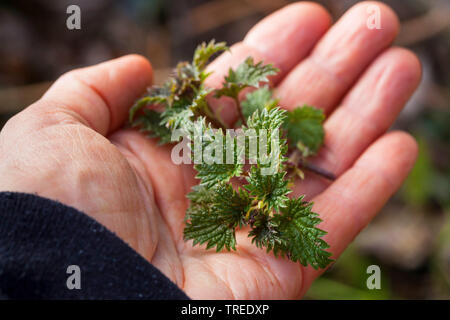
263	155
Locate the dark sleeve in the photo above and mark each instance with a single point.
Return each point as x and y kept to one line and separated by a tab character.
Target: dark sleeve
41	238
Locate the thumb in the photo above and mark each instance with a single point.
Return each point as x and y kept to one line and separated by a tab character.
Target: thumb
98	96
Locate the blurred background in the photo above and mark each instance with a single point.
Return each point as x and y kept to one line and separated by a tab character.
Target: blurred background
409	240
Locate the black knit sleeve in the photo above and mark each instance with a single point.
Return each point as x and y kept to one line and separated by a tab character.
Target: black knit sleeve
41	238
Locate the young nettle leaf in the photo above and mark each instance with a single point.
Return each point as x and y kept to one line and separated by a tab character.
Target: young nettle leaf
266	119
265	233
200	107
265	125
184	90
156	96
211	175
201	195
205	51
214	222
220	155
250	74
229	202
257	156
207	226
304	129
176	118
256	100
247	74
270	190
150	122
302	239
199	104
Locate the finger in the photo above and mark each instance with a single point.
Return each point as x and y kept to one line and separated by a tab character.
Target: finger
349	204
283	38
366	113
342	54
98	96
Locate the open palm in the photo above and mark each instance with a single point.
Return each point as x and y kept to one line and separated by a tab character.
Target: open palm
69	146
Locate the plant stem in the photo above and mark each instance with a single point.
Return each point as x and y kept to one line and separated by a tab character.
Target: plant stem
238	107
317	170
216	123
210	117
298	160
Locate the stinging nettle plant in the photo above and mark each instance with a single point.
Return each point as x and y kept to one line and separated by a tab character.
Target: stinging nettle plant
286	226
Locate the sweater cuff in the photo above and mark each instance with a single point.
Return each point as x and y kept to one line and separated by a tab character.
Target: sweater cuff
39	240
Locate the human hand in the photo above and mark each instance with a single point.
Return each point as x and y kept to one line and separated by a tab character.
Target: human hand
68	146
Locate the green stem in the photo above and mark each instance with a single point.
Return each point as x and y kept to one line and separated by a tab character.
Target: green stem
211	118
239	110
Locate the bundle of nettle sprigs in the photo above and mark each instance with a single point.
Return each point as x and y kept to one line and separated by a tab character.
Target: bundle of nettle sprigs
286	226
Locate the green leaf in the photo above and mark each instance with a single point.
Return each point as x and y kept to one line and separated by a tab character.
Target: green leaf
214	222
270	189
250	74
201	198
203	135
204	52
267	119
256	100
211	174
199	104
247	74
188	77
156	95
265	233
220	171
305	130
176	118
231	203
207	227
201	195
271	121
303	243
150	121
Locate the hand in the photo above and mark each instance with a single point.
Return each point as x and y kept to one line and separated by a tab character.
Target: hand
69	146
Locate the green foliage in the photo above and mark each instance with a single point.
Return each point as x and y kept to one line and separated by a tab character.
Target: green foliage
270	121
270	189
213	174
297	225
176	118
229	202
204	52
183	96
304	129
286	226
247	74
214	222
257	100
265	233
150	122
207	226
216	170
266	119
